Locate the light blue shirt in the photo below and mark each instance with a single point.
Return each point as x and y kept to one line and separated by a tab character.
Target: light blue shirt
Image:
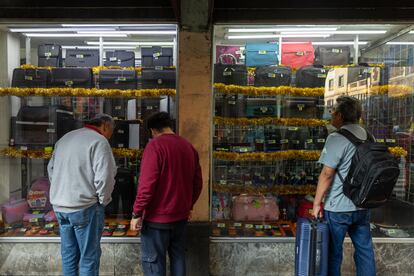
337	154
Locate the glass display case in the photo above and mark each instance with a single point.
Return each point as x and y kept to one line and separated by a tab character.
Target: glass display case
60	85
274	87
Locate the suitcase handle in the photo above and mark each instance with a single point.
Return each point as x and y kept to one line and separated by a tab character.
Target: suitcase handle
233	58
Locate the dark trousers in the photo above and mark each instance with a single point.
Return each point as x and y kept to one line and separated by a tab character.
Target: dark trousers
156	243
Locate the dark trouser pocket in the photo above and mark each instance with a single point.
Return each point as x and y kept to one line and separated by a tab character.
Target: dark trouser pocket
149	264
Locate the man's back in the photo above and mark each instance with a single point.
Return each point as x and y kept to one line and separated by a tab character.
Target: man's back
170	179
80	159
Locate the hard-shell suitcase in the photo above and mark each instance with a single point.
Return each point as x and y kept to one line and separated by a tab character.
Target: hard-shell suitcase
332	55
259	54
158	78
116	107
296	55
311	248
273	75
303	107
30	78
226	54
49	55
230	105
82	58
71	77
261	107
13	211
230	74
120	137
120	58
311	76
117	79
156	56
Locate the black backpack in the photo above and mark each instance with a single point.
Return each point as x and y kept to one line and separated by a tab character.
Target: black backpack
372	174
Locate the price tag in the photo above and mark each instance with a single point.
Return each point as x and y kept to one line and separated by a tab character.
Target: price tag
48	54
296	142
380	140
232	102
293	128
321	76
248	226
248	182
23	148
118	107
149	107
159	67
262	52
121	131
221	225
113	59
121	79
390	140
237	224
159	81
50	130
223	182
309	141
321	140
69	83
259	227
271	75
79	56
284	141
337	51
259	141
267	227
28	78
120	145
227	73
156	55
270	142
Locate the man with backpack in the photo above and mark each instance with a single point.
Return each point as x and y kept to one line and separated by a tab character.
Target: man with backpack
342	215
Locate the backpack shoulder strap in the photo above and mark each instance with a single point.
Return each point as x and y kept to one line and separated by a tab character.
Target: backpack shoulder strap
351	137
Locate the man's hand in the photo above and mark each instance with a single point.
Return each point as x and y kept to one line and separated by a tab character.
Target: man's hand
190	216
317	211
136	224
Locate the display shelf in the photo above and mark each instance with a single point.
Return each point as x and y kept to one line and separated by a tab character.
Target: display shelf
268	121
47	153
277	189
84	92
269	91
268	156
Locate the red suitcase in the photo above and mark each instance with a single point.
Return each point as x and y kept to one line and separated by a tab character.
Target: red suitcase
297	55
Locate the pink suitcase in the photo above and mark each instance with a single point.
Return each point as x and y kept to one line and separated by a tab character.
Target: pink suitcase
14	210
255	208
228	54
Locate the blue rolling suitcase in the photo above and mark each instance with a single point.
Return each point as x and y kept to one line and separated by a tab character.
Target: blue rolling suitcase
261	54
311	249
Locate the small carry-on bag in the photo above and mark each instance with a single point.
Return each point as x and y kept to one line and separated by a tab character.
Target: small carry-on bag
311	247
273	76
30	78
81	58
120	58
311	76
230	73
332	55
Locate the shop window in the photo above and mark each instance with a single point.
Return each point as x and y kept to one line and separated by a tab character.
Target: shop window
341	81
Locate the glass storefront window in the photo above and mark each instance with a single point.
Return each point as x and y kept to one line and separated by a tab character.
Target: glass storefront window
274	88
56	79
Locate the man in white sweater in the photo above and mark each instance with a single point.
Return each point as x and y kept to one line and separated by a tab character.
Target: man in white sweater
82	175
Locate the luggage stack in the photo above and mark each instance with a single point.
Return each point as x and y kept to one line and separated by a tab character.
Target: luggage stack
157	68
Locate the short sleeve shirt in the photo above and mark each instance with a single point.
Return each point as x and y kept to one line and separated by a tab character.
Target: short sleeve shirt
337	154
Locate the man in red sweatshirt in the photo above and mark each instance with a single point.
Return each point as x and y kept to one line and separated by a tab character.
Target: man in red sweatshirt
170	183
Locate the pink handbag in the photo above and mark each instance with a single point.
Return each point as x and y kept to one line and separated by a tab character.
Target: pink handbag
255	208
13	211
228	54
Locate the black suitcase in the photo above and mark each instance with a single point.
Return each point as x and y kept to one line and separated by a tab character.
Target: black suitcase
120	137
261	107
273	76
116	107
71	77
230	105
311	76
120	58
303	107
117	79
123	195
81	58
42	125
30	78
49	55
272	138
156	56
331	55
230	74
358	73
154	78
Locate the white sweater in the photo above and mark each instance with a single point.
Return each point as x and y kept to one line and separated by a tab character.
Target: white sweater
82	171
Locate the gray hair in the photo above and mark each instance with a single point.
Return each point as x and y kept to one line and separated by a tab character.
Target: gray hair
350	109
101	119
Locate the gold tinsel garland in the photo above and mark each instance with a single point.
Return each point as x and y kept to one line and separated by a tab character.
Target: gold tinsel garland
284	155
97	69
392	90
267	156
33	67
278	189
270	91
269	121
47	154
83	92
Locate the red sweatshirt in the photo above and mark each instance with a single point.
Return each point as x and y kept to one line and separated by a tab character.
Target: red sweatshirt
170	180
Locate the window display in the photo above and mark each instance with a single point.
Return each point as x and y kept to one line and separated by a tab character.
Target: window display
67	83
274	88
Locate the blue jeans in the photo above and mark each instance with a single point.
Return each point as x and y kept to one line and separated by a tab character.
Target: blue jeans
80	234
155	243
356	224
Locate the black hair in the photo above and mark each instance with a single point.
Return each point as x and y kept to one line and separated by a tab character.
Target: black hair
101	119
159	121
350	109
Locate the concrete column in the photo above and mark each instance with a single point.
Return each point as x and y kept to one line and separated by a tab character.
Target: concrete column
10	170
195	104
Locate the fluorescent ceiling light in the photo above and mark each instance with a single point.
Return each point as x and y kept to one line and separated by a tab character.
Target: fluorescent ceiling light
269	30
74	35
134	32
400	43
356	32
131	43
339	43
101	25
97	47
273	36
39	30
